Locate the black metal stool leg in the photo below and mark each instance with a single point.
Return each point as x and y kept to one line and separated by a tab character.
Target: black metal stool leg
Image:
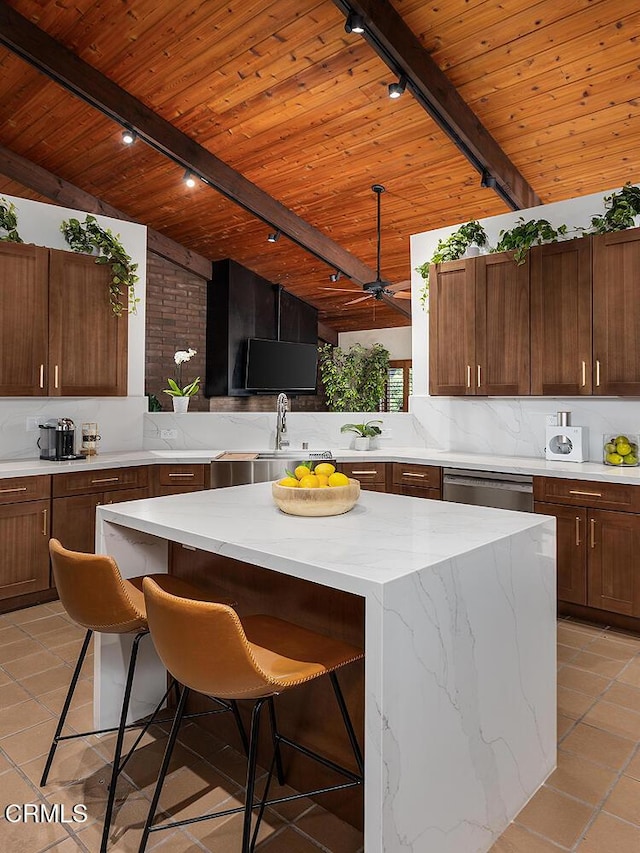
251	775
164	767
276	741
240	725
120	740
355	746
66	706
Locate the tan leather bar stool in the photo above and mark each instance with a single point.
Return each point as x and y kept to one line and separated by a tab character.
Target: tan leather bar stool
97	597
208	649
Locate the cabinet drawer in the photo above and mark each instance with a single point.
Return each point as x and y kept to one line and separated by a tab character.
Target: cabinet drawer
416	491
106	479
181	475
587	493
17	489
421	476
366	472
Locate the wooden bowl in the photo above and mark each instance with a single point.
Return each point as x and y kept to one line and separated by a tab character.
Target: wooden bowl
334	500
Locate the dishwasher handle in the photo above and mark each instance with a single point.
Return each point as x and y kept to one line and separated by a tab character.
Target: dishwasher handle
486	483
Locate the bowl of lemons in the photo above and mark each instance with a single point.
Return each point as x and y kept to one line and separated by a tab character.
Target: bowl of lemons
315	490
620	450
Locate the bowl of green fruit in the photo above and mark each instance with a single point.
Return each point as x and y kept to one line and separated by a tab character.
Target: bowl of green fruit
620	450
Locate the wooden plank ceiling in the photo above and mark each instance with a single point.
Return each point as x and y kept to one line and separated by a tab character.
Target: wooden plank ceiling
281	93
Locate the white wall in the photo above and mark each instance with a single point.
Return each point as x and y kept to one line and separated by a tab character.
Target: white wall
119	419
506	425
397	341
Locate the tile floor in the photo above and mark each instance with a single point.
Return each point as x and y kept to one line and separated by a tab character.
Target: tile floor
591	804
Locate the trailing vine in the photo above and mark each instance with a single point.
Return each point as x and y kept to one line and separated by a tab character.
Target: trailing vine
524	235
9	222
89	235
621	209
452	248
354	379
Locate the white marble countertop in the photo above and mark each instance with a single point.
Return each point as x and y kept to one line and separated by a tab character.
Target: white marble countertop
383	538
477	461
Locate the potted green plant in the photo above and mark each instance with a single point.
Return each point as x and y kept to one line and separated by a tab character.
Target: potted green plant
451	249
364	432
88	236
524	235
621	210
9	222
354	380
182	394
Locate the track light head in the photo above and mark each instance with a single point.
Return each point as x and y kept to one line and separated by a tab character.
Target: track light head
397	89
128	136
487	181
189	179
354	23
335	276
274	237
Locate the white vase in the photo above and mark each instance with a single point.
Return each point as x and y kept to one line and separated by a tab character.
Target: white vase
180	404
361	442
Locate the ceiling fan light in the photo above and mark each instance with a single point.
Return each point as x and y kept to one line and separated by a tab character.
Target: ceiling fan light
273	237
354	23
396	90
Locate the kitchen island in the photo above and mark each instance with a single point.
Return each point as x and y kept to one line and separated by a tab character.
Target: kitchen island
459	606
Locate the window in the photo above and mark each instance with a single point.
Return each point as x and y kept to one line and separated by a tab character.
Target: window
399	386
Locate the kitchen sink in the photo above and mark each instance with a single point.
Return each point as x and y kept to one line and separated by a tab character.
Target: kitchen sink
266	466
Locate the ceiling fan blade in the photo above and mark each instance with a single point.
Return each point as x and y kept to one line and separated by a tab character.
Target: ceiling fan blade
401	285
360	299
341	289
402	294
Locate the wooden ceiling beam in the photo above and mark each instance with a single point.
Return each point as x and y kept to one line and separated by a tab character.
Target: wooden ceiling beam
401	50
31	175
43	52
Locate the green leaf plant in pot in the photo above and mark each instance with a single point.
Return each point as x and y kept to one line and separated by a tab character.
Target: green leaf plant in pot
451	249
364	432
179	392
524	235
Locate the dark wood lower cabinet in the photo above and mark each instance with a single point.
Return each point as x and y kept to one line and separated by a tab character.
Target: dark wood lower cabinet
613	562
74	518
571	527
24	551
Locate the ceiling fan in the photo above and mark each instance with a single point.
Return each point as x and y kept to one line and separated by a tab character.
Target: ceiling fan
378	288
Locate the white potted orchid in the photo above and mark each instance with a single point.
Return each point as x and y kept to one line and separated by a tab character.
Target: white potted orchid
181	394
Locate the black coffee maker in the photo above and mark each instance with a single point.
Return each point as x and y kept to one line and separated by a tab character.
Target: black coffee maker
57	440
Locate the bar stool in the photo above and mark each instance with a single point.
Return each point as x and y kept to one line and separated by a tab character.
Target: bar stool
206	648
97	597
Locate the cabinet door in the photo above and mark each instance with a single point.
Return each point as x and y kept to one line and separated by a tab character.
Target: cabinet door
571	532
452	353
24	551
24	309
87	342
613	548
561	355
74	521
616	313
502	326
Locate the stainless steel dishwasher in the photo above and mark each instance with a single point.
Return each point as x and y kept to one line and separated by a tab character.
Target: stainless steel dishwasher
488	488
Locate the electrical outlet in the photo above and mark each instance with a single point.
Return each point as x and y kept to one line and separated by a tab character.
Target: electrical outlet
168	433
33	424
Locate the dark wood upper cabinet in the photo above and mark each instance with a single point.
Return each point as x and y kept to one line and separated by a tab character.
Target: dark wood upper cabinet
87	341
561	353
616	313
24	306
452	328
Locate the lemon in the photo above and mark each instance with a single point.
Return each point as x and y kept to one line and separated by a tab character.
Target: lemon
302	471
324	469
614	459
630	459
290	482
310	481
338	479
621	439
610	447
323	480
623	449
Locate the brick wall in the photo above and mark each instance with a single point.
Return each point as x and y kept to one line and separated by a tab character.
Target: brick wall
176	316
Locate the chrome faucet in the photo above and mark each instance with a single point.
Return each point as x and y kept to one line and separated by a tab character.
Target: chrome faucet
282	404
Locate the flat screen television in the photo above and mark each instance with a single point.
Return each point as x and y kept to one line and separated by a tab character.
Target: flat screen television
274	366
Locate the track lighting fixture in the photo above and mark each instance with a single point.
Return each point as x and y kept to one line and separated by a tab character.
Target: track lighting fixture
487	181
354	23
274	237
189	179
397	89
128	137
335	276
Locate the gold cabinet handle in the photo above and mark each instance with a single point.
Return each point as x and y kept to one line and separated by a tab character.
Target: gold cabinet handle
42	375
584	374
577	530
45	530
364	472
597	372
56	376
468	376
585	494
592	525
411	474
106	480
479	376
9	491
182	475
